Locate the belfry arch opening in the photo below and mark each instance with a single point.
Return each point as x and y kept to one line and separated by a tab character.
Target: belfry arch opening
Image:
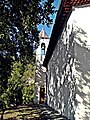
42	50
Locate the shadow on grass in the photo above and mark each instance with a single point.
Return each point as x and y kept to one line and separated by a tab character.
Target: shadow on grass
33	112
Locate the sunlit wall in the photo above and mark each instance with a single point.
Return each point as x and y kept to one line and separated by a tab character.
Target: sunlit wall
68	75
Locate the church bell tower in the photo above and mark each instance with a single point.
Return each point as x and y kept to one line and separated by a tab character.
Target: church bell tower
40	76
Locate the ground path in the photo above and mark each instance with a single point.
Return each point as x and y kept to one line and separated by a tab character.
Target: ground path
32	112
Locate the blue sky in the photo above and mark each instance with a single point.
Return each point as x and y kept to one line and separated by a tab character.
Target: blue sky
48	30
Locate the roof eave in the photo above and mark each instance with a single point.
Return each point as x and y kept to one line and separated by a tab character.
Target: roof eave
57	30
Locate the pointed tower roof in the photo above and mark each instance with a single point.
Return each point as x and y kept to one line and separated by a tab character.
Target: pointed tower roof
43	34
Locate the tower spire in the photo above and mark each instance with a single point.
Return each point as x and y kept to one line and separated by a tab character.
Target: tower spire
43	34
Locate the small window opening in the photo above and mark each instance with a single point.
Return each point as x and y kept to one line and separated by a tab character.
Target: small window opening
42	50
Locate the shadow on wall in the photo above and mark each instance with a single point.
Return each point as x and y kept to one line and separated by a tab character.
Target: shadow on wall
63	87
82	64
61	80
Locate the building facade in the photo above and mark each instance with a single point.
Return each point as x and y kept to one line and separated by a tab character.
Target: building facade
40	75
68	61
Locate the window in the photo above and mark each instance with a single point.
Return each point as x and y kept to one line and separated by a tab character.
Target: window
42	50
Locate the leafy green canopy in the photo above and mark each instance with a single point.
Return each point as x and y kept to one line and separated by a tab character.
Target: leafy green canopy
18	25
18	32
20	85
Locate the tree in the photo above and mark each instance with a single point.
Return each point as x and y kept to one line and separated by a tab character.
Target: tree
19	20
28	88
18	31
15	84
20	85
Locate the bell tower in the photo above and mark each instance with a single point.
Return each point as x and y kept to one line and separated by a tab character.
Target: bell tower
40	76
42	48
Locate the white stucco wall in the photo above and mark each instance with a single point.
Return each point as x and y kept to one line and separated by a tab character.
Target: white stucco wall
82	64
68	77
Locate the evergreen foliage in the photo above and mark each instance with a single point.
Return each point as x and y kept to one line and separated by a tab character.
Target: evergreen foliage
18	32
20	85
